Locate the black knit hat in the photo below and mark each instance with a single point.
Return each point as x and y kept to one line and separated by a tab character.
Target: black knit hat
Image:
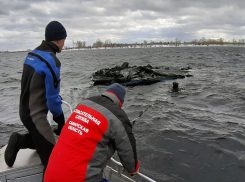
118	90
55	31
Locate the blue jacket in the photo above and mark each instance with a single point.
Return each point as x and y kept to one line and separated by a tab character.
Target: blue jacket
45	66
40	85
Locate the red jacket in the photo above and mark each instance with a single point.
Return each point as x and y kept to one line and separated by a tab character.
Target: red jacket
89	138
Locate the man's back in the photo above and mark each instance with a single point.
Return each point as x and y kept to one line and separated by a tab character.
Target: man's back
89	139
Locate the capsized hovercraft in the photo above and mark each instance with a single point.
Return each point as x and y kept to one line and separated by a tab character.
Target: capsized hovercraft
138	75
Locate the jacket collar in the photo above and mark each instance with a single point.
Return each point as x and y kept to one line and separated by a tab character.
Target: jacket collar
113	98
48	46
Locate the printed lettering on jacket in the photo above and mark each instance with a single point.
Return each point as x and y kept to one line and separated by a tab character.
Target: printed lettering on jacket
85	127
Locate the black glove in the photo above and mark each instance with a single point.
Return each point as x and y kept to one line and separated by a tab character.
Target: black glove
61	98
60	120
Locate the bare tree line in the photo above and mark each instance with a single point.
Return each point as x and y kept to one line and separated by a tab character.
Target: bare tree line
219	41
79	44
177	42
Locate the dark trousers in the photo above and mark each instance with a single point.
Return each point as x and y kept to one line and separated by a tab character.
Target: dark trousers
34	140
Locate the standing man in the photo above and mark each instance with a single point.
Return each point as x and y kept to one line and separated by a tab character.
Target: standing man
90	137
40	88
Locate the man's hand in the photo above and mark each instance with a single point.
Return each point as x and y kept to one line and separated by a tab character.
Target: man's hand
60	120
57	131
131	174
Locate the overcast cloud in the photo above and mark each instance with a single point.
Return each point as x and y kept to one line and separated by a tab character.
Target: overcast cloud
23	22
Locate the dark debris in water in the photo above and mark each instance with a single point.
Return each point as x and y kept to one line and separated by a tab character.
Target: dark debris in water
138	75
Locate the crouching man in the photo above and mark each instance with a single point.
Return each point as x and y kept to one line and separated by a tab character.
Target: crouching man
96	128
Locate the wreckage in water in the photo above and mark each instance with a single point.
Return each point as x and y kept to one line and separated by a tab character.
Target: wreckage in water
138	75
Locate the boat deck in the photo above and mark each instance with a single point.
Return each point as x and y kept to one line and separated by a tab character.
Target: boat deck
27	167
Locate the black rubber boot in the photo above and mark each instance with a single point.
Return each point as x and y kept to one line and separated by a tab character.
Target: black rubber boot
12	149
26	141
17	142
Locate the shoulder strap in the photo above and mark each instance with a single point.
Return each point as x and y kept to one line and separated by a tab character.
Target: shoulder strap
56	81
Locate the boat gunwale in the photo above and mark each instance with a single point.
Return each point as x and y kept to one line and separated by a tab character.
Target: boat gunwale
20	169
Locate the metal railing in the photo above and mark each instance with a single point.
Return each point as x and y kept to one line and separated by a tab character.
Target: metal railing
138	173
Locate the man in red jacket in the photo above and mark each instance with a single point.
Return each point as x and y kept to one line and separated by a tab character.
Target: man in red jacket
96	128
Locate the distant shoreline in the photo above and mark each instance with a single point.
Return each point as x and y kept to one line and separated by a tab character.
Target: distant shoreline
150	46
132	46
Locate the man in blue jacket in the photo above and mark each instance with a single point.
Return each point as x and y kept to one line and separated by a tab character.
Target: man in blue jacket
40	88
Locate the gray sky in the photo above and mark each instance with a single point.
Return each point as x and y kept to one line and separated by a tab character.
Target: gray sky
23	22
